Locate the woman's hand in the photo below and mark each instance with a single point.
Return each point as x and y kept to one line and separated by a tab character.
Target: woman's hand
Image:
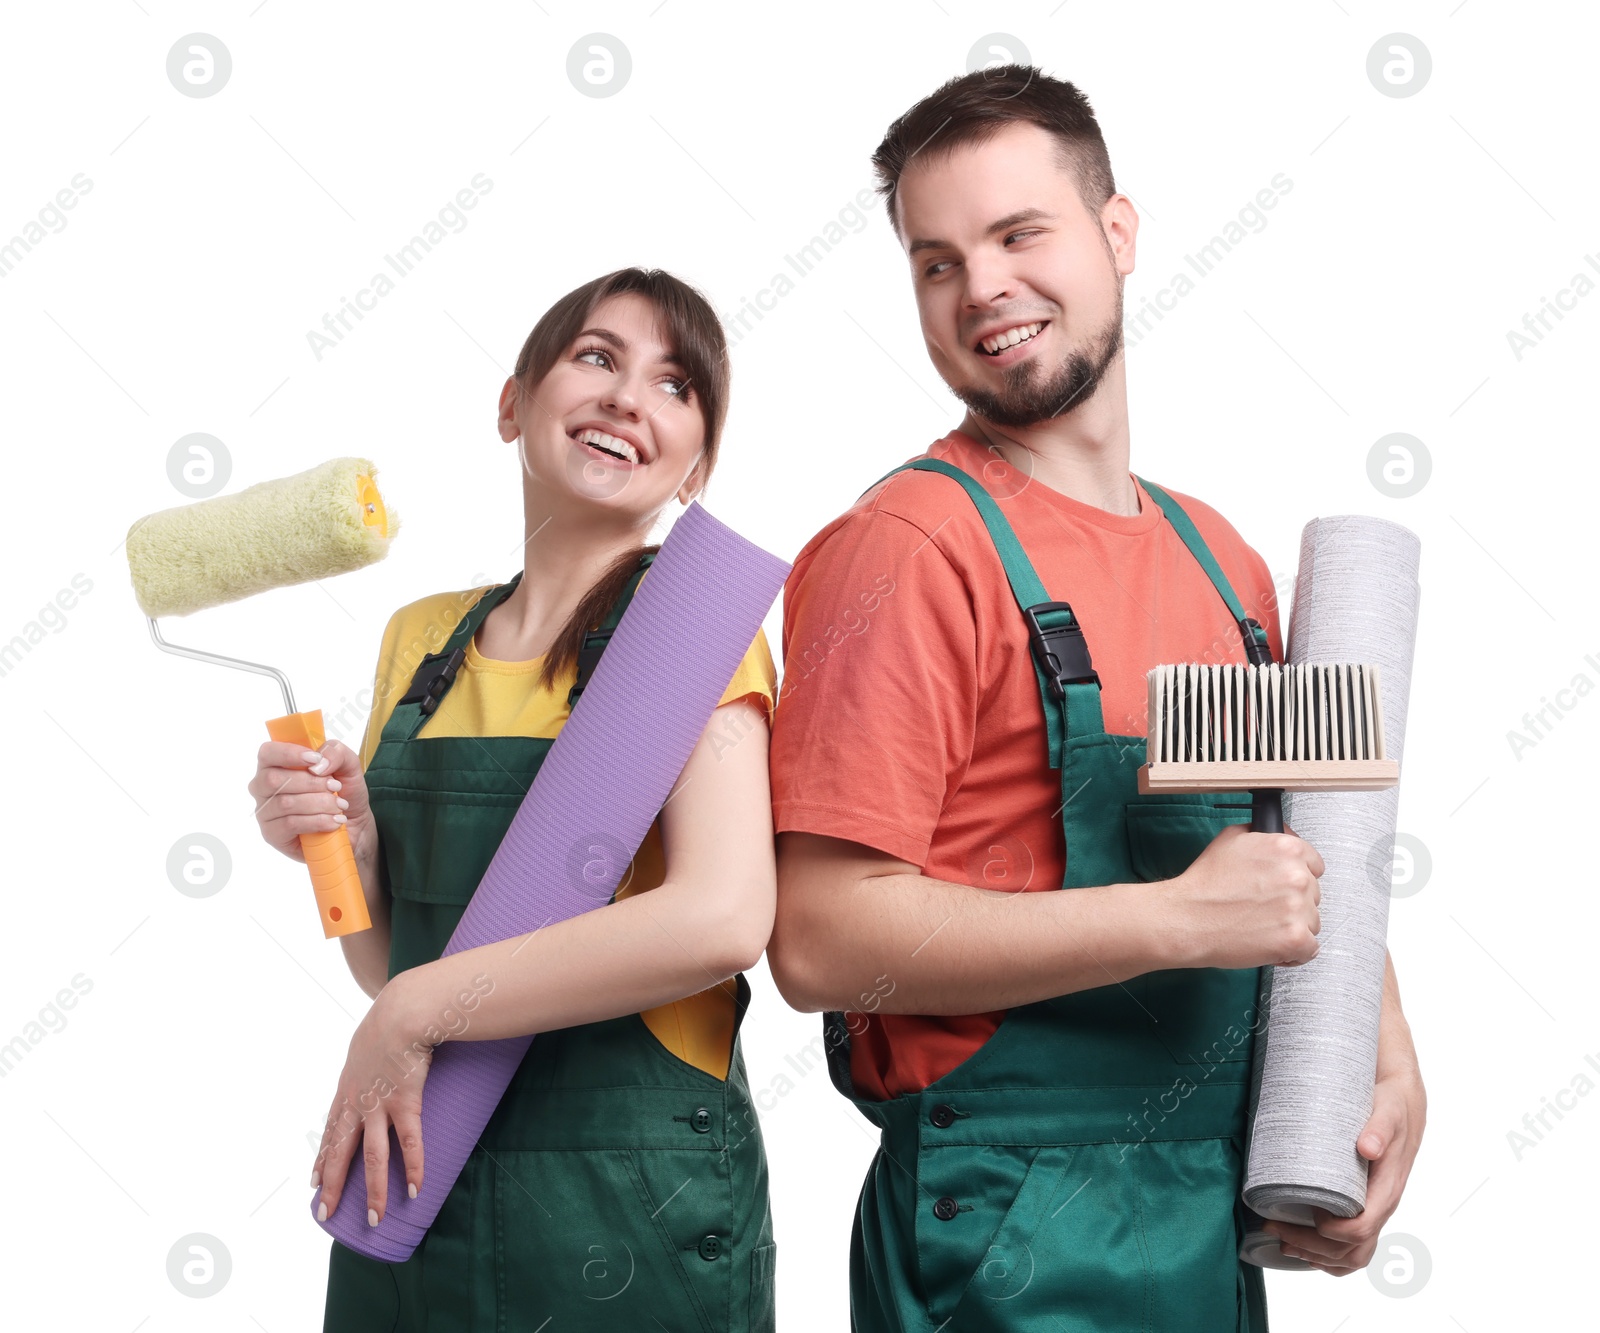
297	790
381	1086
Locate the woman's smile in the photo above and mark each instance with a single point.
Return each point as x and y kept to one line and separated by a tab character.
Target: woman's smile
616	450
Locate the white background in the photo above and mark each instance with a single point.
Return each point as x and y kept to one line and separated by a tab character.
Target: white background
179	1095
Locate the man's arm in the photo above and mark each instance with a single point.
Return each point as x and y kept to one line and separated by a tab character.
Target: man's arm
850	917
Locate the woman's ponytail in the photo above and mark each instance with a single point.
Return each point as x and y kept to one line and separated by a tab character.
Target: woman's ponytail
588	614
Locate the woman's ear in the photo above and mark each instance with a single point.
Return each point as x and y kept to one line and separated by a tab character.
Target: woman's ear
509	430
691	484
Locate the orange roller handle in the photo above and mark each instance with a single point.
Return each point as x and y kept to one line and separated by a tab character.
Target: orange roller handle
332	861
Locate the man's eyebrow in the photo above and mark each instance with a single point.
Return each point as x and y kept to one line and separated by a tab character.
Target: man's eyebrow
621	344
1002	224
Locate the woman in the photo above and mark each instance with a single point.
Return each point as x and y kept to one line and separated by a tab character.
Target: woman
622	1178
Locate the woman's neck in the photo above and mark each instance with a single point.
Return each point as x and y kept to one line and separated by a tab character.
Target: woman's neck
561	560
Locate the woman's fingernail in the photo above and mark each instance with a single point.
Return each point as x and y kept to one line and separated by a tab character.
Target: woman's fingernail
310	756
316	1179
372	1217
343	804
322	1212
334	784
412	1190
341	819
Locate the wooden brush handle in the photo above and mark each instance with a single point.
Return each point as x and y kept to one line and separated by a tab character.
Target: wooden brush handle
341	904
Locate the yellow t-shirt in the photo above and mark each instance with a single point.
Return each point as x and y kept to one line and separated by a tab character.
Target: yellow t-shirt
494	698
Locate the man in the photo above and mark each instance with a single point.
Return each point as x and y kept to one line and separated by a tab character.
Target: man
1061	1079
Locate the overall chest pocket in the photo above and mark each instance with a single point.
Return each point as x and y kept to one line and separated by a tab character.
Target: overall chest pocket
443	805
1202	1015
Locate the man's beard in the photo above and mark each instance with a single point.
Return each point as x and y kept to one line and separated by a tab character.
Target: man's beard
1025	399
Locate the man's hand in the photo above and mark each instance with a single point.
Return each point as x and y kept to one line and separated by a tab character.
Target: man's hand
1389	1141
1248	900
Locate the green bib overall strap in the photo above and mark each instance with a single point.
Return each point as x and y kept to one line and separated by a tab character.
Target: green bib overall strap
595	641
1068	684
1255	637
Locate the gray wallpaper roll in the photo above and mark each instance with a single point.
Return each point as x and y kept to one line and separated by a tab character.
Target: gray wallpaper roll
1355	600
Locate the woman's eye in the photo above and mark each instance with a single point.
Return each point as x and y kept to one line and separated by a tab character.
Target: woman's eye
682	389
594	351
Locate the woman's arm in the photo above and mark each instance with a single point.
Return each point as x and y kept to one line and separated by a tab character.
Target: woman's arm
366	952
708	919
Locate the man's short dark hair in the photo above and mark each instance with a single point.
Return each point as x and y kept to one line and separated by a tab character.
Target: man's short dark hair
972	108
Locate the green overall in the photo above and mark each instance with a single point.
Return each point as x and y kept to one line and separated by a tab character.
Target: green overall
1082	1169
616	1185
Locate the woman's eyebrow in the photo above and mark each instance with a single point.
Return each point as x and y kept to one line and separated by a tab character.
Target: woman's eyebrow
671	358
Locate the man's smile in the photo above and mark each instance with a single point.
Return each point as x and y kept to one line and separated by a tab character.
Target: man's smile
1010	342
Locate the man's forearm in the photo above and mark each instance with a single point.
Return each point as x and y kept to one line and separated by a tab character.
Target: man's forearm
905	943
1396	1053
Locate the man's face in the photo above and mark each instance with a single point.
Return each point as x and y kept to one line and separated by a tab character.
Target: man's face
1001	246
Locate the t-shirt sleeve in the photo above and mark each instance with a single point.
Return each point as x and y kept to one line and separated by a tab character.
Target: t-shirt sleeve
384	691
876	714
756	678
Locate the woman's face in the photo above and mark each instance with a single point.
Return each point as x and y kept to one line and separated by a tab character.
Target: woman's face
614	422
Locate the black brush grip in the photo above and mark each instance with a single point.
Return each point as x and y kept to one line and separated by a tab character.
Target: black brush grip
1266	810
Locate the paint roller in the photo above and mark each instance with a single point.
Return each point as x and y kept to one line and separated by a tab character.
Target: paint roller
327	520
1314	727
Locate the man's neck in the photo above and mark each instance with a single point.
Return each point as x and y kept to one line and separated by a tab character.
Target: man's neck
1082	455
1085	470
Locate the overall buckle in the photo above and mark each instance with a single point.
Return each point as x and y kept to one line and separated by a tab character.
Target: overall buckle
1061	652
436	673
1257	651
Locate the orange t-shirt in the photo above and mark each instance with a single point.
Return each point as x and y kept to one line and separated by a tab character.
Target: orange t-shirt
909	717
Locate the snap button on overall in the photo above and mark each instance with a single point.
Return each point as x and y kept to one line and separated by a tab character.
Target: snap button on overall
945	1208
710	1247
942	1116
701	1121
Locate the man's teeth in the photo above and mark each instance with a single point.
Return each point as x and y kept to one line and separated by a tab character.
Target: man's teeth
608	444
1010	338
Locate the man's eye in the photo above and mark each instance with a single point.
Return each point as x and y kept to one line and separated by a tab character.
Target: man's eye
932	271
1013	236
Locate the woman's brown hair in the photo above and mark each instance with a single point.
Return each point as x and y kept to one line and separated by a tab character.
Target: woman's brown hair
695	337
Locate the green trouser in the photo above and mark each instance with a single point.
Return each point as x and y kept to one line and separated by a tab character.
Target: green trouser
1082	1169
616	1186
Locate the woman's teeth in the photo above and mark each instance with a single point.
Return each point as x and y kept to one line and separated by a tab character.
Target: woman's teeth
608	444
997	344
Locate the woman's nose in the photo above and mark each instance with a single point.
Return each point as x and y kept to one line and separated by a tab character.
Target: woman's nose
622	398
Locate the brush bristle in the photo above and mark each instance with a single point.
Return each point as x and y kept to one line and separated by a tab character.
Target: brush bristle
1237	712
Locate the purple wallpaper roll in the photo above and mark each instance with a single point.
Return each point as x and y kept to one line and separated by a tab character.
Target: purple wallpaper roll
690	623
